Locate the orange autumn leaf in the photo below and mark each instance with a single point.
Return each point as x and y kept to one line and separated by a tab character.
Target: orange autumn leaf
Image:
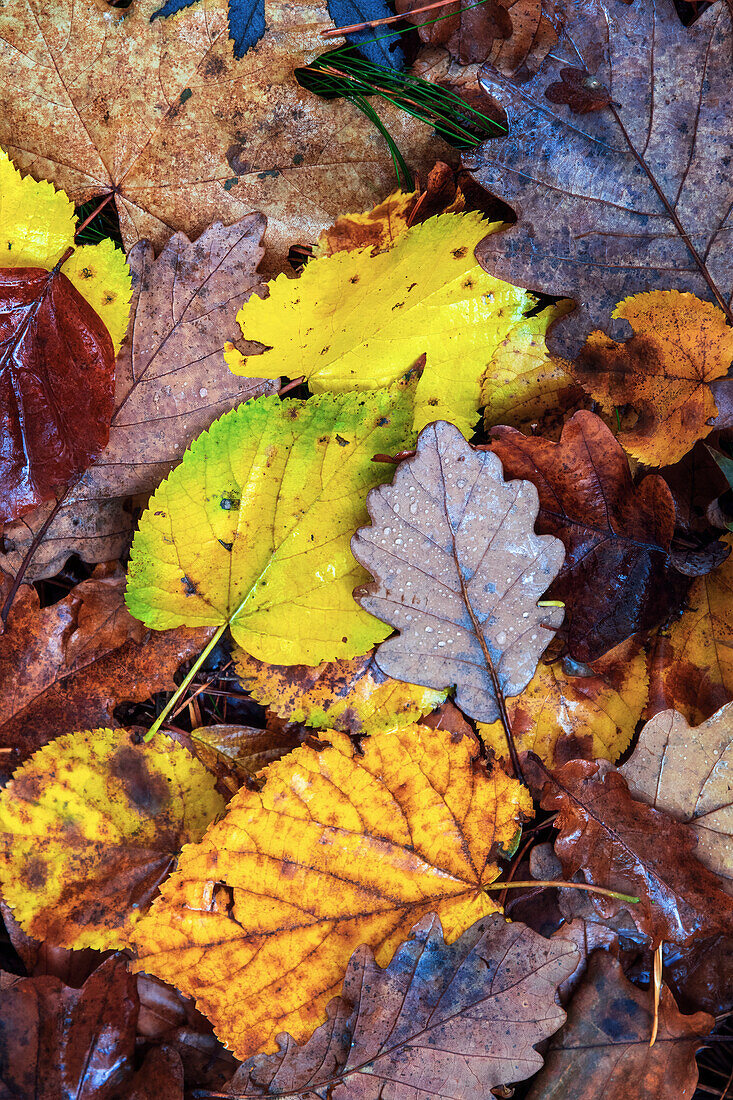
564	714
339	848
89	827
679	346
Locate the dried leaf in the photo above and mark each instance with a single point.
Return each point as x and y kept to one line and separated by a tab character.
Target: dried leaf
691	666
617	577
354	696
458	571
603	1051
590	222
69	665
625	845
567	712
355	320
680	345
247	749
687	772
171	383
435	1020
219	539
181	132
60	1042
160	1077
338	849
90	826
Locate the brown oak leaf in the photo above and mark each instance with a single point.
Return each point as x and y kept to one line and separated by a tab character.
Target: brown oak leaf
622	844
617	578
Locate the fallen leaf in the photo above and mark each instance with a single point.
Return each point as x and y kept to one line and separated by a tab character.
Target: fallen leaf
436	1019
171	383
60	1042
590	223
680	344
246	20
339	848
687	772
218	540
244	749
691	664
567	712
160	1077
354	696
67	666
180	131
582	92
458	572
55	331
378	44
603	1052
701	977
622	844
617	578
90	826
354	320
588	936
448	717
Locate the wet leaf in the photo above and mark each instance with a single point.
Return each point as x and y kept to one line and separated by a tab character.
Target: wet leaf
680	344
264	545
182	132
691	666
355	320
354	696
435	1020
623	844
244	750
171	383
90	826
378	45
590	223
603	1051
567	712
69	665
458	572
57	328
58	1042
617	578
339	848
687	772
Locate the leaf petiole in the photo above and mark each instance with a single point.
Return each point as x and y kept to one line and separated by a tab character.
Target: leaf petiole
559	882
184	683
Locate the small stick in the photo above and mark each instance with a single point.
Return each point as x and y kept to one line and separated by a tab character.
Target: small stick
338	32
291	385
559	882
94	213
657	992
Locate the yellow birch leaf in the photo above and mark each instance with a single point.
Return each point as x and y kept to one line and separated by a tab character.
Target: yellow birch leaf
37	225
354	696
358	321
89	827
339	848
253	528
562	717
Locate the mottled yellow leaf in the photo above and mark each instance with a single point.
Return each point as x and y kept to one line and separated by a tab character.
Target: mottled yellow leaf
354	696
339	848
89	827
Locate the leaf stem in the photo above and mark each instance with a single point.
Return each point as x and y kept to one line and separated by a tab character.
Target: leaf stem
587	886
184	683
29	555
93	214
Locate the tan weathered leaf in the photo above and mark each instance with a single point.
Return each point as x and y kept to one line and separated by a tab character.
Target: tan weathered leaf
171	384
161	113
688	772
436	1019
458	572
243	749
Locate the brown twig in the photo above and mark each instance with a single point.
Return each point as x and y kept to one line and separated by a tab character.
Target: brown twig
94	213
338	32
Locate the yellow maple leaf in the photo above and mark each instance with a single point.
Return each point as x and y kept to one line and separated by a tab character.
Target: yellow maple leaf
37	226
339	848
252	530
358	321
89	827
679	346
560	716
354	696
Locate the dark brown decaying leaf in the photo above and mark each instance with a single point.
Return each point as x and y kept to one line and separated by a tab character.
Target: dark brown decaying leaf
234	753
603	1052
459	572
591	224
625	845
616	579
67	666
61	1042
581	92
160	1077
468	30
444	1022
171	383
51	426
